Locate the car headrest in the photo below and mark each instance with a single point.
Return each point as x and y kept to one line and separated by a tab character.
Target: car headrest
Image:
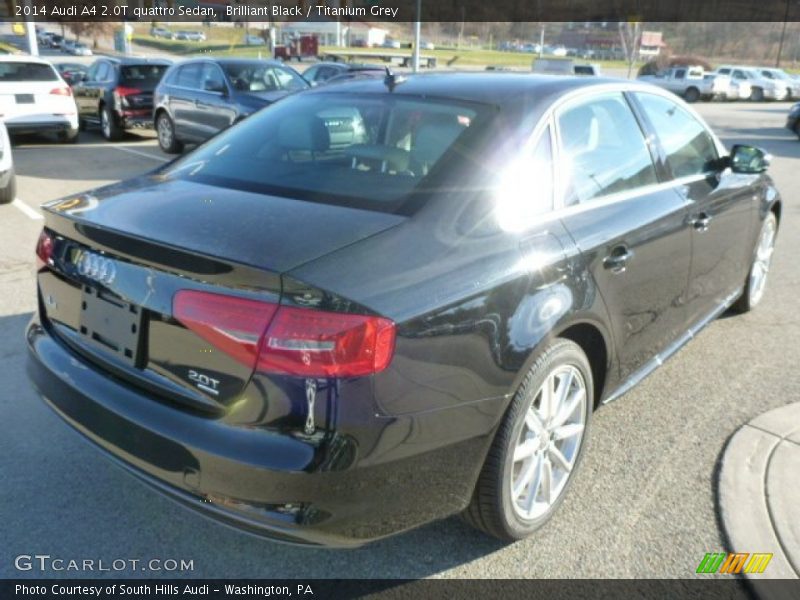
303	133
580	130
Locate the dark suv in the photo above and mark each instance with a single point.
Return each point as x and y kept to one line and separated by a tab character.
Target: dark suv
198	98
117	94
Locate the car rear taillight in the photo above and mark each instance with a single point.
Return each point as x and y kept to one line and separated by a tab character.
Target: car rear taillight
230	324
61	91
44	250
313	343
285	340
121	94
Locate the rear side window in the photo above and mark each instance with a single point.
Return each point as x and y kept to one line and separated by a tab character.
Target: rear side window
143	75
23	71
257	77
189	76
603	149
689	146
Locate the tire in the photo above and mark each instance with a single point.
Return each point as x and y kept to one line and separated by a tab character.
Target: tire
496	508
692	94
757	94
796	128
167	140
69	137
759	268
8	193
82	125
109	125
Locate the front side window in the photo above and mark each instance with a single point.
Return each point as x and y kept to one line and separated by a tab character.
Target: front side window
189	76
689	146
603	150
369	151
257	77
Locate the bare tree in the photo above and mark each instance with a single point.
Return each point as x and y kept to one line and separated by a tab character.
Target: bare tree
630	34
90	29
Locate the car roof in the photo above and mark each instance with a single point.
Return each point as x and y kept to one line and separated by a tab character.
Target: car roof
137	60
235	61
495	88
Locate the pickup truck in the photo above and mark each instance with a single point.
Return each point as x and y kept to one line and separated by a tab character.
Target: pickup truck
691	83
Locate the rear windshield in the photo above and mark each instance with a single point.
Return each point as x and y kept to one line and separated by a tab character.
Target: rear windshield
143	75
369	151
23	71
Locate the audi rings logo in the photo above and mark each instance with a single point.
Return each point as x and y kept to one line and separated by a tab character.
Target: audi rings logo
101	269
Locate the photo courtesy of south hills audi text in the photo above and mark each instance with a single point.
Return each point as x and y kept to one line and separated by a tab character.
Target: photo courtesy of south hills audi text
155	590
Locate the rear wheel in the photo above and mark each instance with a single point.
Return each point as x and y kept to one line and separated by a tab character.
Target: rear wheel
537	447
757	94
762	258
69	137
109	126
8	193
165	129
692	94
796	128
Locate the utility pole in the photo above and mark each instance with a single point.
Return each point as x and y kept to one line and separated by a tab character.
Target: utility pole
783	33
30	31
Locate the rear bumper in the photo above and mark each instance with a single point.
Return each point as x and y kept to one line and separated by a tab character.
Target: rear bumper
42	126
135	119
272	484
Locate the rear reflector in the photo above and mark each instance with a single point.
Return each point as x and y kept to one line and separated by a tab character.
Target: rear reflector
44	250
285	340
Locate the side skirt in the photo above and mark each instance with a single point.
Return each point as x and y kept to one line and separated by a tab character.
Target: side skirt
660	358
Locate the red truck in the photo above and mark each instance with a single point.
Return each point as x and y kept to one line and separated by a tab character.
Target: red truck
304	46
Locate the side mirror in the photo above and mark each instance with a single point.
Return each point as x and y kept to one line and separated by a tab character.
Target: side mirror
748	159
77	78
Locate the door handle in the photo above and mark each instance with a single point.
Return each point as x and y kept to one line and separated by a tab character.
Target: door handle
617	260
701	221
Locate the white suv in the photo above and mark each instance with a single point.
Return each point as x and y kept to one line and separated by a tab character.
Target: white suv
761	88
34	98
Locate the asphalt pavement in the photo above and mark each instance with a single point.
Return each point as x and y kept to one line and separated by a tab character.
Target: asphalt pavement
644	503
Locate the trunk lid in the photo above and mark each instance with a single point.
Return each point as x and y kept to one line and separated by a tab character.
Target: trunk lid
122	253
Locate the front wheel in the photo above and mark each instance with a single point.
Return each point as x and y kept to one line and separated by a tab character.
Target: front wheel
759	269
692	94
537	446
69	137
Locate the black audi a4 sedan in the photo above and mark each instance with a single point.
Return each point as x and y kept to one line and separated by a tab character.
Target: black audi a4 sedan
381	303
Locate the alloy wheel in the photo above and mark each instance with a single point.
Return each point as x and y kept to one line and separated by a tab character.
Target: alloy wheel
549	442
761	264
105	124
164	132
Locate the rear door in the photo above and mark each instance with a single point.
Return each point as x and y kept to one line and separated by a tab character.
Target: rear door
721	207
628	223
182	96
213	109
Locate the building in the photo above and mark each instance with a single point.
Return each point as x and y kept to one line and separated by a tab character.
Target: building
651	44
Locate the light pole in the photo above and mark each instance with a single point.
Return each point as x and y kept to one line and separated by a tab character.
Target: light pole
783	34
415	53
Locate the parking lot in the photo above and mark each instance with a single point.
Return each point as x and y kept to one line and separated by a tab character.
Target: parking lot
643	505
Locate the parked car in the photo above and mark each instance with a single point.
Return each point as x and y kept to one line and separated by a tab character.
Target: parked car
792	84
254	40
56	40
8	182
68	46
80	49
762	88
68	71
563	66
325	71
191	36
793	120
44	38
249	330
390	43
199	98
690	82
162	32
117	94
35	99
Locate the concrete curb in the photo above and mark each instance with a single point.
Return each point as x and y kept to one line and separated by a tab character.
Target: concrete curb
759	490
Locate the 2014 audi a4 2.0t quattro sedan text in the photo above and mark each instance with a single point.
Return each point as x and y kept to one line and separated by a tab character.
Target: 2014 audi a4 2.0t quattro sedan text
380	303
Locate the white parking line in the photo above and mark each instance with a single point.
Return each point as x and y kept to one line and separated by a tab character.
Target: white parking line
138	153
27	210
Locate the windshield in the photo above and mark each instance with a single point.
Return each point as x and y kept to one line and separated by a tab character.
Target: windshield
260	77
142	75
363	151
25	71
